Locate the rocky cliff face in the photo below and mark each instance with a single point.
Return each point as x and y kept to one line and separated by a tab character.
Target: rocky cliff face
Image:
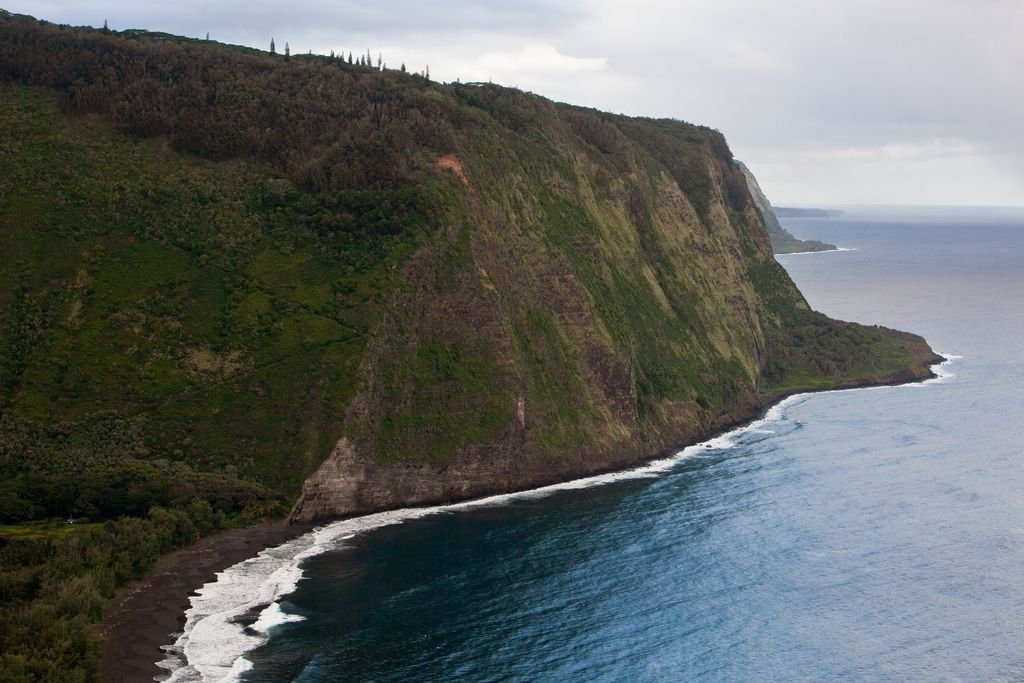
605	306
783	241
266	274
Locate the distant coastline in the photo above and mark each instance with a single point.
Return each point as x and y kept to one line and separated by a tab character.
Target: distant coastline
796	246
791	212
815	251
783	241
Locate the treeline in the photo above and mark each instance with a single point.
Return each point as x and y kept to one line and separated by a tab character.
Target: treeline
56	577
97	468
53	590
326	124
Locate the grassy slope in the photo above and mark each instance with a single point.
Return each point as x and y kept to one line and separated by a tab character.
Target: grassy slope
175	292
169	338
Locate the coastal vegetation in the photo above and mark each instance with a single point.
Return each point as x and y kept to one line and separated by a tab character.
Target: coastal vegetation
56	579
220	264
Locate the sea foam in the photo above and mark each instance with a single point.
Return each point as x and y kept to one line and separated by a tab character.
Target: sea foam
220	629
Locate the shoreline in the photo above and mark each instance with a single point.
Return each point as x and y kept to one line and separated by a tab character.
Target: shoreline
152	613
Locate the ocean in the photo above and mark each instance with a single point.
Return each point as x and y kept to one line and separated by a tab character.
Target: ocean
872	534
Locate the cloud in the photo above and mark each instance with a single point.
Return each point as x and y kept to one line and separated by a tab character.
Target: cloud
744	56
930	150
531	60
381	18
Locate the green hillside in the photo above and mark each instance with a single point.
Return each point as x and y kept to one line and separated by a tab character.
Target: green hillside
235	284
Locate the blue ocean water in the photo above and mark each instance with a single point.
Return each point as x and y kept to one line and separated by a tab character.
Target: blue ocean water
862	535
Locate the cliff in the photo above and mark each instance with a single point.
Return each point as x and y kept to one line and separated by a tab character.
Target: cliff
247	279
783	242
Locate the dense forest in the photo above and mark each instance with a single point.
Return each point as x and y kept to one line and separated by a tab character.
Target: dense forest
220	263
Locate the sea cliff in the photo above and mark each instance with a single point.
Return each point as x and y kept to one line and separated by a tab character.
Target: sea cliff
282	279
238	284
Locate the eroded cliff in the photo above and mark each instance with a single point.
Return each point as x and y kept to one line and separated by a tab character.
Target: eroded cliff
613	293
271	278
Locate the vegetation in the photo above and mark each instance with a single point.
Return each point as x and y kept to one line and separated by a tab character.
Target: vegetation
218	262
56	579
160	320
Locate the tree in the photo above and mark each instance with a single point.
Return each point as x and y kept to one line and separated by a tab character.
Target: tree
350	57
426	74
207	35
106	29
380	62
403	67
287	50
273	51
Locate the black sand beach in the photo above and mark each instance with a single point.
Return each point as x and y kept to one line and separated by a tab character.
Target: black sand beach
138	624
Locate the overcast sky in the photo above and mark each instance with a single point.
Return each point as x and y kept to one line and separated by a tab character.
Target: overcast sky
828	101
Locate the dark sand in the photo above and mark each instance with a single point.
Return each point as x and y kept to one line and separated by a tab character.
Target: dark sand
151	610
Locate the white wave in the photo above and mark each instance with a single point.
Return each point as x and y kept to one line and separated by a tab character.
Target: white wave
274	616
941	370
214	641
213	644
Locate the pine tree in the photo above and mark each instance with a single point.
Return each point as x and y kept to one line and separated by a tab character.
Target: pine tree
426	74
369	58
287	50
273	50
380	63
403	67
207	35
106	29
350	57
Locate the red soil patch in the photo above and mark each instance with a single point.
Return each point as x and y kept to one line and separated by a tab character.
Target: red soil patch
452	163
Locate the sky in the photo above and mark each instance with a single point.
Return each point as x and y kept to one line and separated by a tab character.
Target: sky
829	102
